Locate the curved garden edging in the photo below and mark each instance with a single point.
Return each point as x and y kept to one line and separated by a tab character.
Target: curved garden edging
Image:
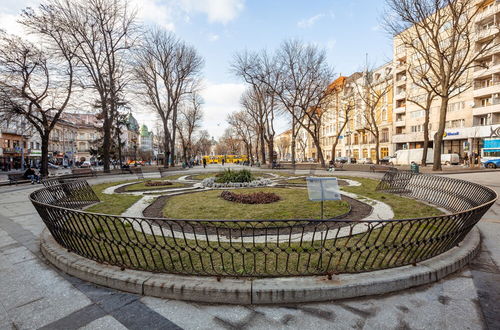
262	291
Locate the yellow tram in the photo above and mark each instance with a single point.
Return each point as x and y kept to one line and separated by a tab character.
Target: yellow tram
229	159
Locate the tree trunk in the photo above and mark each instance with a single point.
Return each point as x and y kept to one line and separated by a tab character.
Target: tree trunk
426	138
172	139
320	157
166	144
270	147
262	147
438	137
377	152
44	169
292	146
106	144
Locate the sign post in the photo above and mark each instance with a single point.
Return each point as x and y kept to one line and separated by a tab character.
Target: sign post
323	189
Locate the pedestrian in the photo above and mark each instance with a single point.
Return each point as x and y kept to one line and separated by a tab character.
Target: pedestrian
204	162
466	160
223	161
30	174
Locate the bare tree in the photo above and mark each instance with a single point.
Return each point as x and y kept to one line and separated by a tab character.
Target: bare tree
168	69
297	76
190	116
239	122
371	90
260	103
342	103
203	143
103	30
441	32
36	84
424	100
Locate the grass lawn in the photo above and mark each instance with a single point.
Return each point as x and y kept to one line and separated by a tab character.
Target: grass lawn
294	204
141	186
402	207
112	204
174	177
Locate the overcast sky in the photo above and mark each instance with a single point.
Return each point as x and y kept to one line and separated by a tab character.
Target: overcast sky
347	29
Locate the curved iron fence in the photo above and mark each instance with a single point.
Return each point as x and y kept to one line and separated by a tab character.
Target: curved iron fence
267	247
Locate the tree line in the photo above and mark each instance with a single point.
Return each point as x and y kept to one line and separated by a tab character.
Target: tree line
94	53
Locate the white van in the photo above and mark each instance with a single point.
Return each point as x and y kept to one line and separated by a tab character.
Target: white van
450	159
406	156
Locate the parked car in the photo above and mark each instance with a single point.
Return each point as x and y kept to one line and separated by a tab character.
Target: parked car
450	159
344	160
492	163
386	161
365	161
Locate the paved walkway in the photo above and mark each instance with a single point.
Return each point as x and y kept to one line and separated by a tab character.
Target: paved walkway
35	295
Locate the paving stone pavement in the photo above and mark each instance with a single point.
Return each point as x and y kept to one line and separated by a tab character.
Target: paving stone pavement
34	295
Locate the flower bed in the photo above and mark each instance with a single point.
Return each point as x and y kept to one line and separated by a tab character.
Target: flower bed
254	198
157	183
211	183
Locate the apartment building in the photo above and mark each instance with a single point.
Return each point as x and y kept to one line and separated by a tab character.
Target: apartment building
13	144
473	115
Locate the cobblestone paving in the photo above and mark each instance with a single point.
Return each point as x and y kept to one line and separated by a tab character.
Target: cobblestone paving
35	295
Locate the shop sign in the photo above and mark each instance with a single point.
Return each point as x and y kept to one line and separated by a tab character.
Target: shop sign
450	134
35	153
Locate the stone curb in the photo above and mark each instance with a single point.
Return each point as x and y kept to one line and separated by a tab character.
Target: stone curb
262	291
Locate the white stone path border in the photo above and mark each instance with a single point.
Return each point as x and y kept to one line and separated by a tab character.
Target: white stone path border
380	211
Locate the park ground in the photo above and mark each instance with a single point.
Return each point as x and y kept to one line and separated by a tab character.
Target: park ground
35	295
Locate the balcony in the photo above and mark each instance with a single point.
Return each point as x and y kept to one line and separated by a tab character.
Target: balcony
488	12
400	109
494	108
400	96
481	72
486	33
479	90
400	123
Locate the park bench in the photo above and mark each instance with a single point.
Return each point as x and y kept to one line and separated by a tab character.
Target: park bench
381	168
17	178
77	172
277	166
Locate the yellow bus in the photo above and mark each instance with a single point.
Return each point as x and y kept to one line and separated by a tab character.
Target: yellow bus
231	159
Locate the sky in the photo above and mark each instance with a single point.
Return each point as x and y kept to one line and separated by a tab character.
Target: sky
346	29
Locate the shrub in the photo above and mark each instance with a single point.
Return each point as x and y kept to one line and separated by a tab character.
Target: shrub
234	176
157	183
253	198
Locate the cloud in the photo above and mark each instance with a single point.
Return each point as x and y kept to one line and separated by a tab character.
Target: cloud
308	22
167	12
9	24
219	101
156	12
218	11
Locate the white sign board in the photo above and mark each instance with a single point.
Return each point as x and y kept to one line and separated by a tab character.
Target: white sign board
323	189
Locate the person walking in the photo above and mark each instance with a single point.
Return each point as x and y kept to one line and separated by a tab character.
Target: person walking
223	161
204	162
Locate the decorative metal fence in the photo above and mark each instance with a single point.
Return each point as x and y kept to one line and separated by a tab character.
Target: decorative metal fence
267	247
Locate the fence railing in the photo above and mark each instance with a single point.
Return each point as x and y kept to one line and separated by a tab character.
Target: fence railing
266	247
